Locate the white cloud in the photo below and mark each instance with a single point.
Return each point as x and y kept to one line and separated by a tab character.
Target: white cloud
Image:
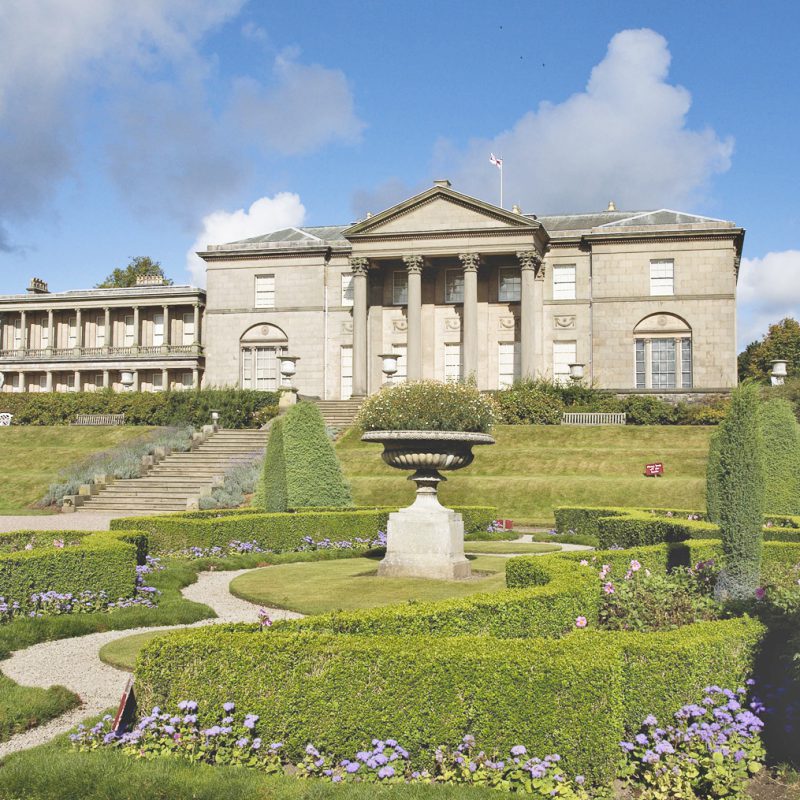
625	137
769	290
265	215
305	107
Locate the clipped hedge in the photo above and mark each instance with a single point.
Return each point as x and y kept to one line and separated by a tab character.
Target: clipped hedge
238	408
95	562
301	467
277	532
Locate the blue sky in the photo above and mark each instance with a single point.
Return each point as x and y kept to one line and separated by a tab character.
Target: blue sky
150	128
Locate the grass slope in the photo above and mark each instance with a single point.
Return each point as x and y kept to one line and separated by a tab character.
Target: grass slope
24	707
532	469
33	455
122	653
351	584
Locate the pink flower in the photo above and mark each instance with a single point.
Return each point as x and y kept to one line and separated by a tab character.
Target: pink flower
58	542
584	562
581	622
609	588
760	593
635	566
29	546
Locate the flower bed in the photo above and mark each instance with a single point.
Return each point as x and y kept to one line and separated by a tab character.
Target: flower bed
280	532
79	571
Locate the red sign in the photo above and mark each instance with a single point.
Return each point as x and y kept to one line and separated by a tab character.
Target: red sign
504	524
654	470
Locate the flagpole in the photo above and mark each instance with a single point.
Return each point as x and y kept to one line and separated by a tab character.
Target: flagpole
501	185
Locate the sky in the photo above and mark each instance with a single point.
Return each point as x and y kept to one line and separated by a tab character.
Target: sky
157	127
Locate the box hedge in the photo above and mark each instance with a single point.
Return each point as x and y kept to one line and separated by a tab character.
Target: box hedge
278	532
94	562
508	667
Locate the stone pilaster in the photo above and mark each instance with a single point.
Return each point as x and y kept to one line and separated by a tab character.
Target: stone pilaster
359	267
414	334
470	262
529	264
107	328
166	339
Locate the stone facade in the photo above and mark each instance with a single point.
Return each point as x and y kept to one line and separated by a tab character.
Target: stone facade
645	301
457	287
147	337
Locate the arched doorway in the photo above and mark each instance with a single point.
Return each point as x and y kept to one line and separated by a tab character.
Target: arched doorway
259	348
662	352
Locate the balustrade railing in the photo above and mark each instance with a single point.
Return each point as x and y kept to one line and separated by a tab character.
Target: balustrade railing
78	353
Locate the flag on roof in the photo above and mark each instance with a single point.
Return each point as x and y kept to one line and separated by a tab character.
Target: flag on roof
496	160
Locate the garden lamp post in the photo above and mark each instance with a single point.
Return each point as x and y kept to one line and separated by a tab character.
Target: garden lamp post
389	366
576	372
778	374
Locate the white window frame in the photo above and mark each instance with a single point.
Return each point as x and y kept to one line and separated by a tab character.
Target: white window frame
560	363
156	381
100	332
512	293
454	286
70	383
401	376
264	293
44	335
508	364
399	288
564	278
662	277
683	362
98	381
18	334
346	371
188	328
72	332
130	332
158	329
452	369
347	289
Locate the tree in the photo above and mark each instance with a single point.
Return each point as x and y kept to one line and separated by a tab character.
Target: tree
782	341
122	278
738	477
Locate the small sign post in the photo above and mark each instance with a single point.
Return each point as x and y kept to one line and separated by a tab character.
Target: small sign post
655	470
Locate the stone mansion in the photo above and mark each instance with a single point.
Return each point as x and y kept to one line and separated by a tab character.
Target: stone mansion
454	286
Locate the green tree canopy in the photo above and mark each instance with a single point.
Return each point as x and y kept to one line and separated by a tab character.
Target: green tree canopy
781	341
123	277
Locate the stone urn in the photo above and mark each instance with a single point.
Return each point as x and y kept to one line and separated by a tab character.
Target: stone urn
426	540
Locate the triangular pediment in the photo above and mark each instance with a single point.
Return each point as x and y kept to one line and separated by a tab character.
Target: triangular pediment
440	209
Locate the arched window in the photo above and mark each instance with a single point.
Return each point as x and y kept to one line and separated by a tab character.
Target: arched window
662	353
259	348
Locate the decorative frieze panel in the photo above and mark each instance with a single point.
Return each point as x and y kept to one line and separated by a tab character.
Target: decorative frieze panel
452	324
507	323
400	325
564	322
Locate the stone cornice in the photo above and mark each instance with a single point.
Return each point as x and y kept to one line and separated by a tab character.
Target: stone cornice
640	237
272	253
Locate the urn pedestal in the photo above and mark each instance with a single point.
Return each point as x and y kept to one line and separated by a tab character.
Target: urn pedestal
426	540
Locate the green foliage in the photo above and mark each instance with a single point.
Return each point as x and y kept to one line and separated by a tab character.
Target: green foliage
239	480
714	476
139	266
741	493
301	467
238	408
782	341
427	406
780	438
24	707
102	561
530	402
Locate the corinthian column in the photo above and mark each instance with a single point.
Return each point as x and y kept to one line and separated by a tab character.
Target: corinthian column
414	335
359	268
471	262
529	263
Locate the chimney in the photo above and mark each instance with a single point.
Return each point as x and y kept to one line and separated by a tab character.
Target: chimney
38	286
149	280
443	182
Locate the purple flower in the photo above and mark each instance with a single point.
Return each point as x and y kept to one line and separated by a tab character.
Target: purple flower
518	750
386	772
352	767
650	720
228	707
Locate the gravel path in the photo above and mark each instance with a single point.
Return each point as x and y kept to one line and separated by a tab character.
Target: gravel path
74	663
77	521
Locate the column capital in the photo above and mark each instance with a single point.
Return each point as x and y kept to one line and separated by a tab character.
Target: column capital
413	263
359	265
530	259
470	261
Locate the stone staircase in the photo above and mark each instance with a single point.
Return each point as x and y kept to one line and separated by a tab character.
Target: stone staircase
338	413
180	477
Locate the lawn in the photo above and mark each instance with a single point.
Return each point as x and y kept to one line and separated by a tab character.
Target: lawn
23	707
534	468
34	454
353	583
509	548
122	653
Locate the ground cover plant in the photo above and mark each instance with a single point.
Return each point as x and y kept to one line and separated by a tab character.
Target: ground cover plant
39	454
533	468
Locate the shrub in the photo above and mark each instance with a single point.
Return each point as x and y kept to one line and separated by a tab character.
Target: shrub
781	457
427	406
740	478
238	408
239	480
83	562
646	410
301	467
530	403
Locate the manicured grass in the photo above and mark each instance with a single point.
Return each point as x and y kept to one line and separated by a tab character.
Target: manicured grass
24	707
505	548
33	455
534	468
351	584
122	653
54	772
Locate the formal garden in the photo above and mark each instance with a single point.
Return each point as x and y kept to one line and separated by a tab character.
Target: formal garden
662	660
